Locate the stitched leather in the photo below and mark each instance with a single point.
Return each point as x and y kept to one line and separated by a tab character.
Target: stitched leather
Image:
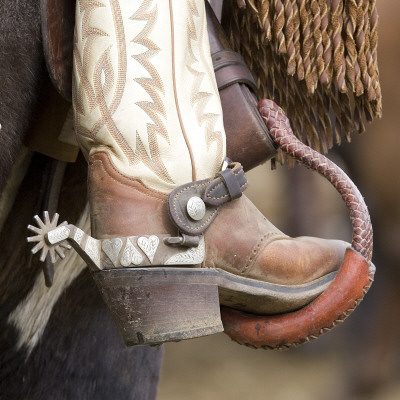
214	192
323	314
231	183
228	185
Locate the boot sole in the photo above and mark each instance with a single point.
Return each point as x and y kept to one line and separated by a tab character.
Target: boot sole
155	305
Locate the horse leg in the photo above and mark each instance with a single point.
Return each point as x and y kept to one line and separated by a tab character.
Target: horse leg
65	347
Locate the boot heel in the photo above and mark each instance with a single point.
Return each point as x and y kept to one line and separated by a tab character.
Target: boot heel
155	305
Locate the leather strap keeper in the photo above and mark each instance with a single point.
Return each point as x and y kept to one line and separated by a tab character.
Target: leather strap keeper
230	68
214	192
230	187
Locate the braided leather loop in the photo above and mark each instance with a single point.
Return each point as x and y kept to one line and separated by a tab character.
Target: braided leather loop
282	134
354	277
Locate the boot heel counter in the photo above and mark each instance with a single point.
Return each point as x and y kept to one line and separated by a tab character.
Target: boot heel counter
121	205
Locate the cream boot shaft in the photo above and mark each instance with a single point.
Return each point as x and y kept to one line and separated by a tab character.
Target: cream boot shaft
145	92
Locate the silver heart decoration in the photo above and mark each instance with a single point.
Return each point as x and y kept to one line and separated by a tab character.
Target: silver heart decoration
130	255
149	245
191	256
112	248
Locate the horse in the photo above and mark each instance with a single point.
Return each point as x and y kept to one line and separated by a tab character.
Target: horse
57	342
63	335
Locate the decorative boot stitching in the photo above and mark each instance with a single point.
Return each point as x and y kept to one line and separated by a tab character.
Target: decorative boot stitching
105	166
196	33
250	262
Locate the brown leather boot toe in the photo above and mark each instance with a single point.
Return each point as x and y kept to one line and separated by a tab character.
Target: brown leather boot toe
295	261
242	241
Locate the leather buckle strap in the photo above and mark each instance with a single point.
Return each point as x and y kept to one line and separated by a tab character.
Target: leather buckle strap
231	184
228	185
195	205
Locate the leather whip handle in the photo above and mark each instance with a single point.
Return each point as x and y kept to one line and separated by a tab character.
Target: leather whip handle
353	279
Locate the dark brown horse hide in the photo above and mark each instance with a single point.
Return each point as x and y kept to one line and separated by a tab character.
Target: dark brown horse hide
75	352
22	73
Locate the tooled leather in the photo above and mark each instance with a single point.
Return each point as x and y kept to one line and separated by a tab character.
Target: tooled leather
214	193
281	131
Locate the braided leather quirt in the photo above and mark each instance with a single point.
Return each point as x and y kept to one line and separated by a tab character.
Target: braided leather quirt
353	279
279	127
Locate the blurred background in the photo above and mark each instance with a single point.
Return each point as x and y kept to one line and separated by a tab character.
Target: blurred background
361	358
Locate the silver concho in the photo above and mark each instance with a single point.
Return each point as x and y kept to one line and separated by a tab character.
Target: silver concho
196	208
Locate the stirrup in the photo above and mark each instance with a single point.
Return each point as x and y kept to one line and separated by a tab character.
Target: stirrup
354	277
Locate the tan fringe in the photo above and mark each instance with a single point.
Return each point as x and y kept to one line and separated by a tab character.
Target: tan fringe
339	64
289	34
352	67
296	40
316	13
316	58
326	75
278	24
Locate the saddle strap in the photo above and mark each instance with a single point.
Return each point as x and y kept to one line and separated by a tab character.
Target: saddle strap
230	68
58	20
247	138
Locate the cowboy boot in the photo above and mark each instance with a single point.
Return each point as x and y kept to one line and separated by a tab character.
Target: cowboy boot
176	230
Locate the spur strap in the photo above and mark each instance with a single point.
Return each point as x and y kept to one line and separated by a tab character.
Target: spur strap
195	205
